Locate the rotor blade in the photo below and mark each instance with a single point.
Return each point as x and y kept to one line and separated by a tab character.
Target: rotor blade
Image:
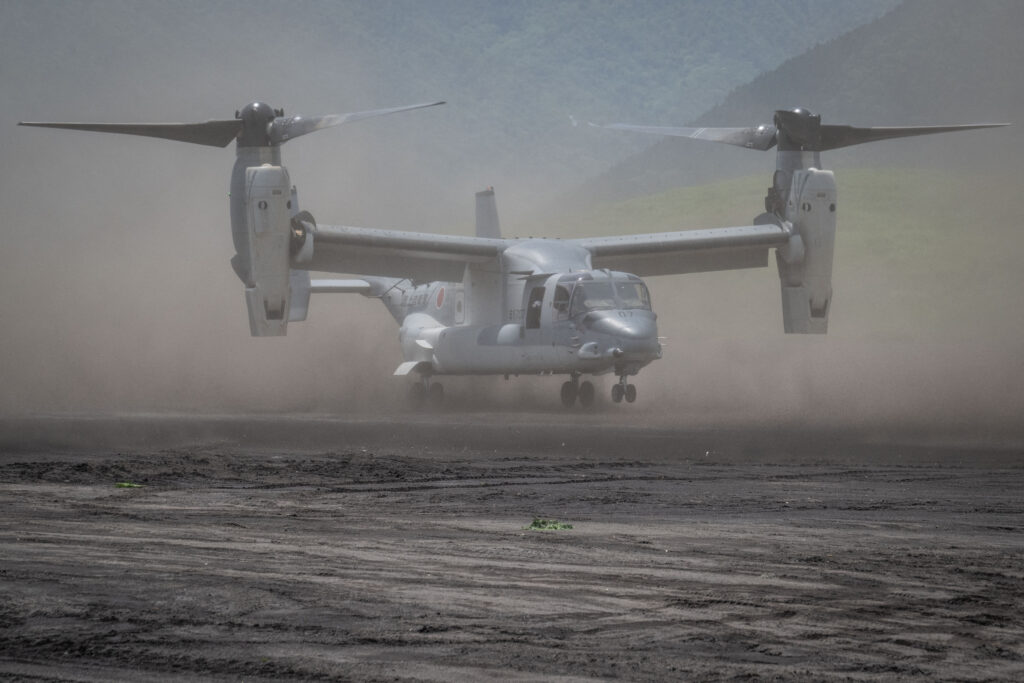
285	128
834	137
761	137
212	133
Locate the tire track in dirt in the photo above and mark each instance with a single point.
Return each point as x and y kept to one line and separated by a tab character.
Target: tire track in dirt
373	561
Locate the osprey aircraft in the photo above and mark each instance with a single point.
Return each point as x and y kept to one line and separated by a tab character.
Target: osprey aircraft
489	305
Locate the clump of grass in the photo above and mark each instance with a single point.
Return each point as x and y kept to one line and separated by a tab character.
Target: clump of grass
127	485
539	524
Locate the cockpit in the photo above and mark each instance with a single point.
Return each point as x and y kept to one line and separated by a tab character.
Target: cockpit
579	293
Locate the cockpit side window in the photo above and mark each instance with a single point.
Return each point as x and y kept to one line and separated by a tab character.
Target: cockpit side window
578	298
561	302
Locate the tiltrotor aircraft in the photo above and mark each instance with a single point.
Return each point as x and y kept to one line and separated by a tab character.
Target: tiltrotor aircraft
487	305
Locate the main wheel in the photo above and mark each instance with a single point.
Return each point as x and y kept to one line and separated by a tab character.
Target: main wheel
586	395
417	393
630	393
435	394
617	393
569	392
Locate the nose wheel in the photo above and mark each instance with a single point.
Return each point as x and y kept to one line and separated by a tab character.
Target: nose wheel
623	390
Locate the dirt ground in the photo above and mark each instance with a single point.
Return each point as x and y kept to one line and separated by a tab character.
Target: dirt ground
396	549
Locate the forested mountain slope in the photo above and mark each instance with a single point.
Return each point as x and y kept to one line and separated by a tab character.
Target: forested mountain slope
513	71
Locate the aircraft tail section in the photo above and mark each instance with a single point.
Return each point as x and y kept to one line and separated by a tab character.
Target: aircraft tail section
487	224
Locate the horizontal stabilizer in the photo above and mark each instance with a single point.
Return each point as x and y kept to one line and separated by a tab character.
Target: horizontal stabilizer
339	287
298	282
408	367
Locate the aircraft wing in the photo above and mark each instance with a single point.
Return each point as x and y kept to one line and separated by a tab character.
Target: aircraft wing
418	256
686	251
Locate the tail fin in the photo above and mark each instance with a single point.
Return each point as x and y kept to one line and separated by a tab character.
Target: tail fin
487	214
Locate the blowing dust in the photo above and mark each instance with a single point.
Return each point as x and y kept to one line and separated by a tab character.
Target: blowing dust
118	296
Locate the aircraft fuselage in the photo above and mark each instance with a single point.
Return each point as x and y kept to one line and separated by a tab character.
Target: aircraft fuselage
581	322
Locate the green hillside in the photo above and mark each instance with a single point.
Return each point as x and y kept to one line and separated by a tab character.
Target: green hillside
940	249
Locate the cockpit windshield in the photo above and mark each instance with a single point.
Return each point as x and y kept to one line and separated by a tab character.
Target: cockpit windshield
633	295
590	295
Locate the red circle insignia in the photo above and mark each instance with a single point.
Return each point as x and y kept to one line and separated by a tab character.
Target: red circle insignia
440	297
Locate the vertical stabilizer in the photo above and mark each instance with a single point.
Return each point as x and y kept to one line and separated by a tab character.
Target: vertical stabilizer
487	214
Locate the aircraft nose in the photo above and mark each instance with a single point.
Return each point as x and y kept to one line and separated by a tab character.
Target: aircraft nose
638	330
626	325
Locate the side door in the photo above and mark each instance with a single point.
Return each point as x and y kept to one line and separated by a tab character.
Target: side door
533	312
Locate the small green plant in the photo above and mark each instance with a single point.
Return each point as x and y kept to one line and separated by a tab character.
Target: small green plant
539	524
127	485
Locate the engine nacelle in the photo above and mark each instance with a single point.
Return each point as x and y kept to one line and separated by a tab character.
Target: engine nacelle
805	264
264	254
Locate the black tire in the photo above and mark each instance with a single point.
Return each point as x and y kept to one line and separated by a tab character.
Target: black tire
586	394
417	394
569	392
630	393
435	394
617	393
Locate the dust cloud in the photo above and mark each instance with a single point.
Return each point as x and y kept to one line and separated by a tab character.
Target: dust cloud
922	332
118	291
118	296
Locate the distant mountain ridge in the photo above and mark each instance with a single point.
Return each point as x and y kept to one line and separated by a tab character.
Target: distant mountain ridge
512	71
925	62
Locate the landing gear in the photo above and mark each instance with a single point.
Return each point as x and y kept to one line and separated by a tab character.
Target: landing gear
574	389
623	390
570	390
587	394
426	393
